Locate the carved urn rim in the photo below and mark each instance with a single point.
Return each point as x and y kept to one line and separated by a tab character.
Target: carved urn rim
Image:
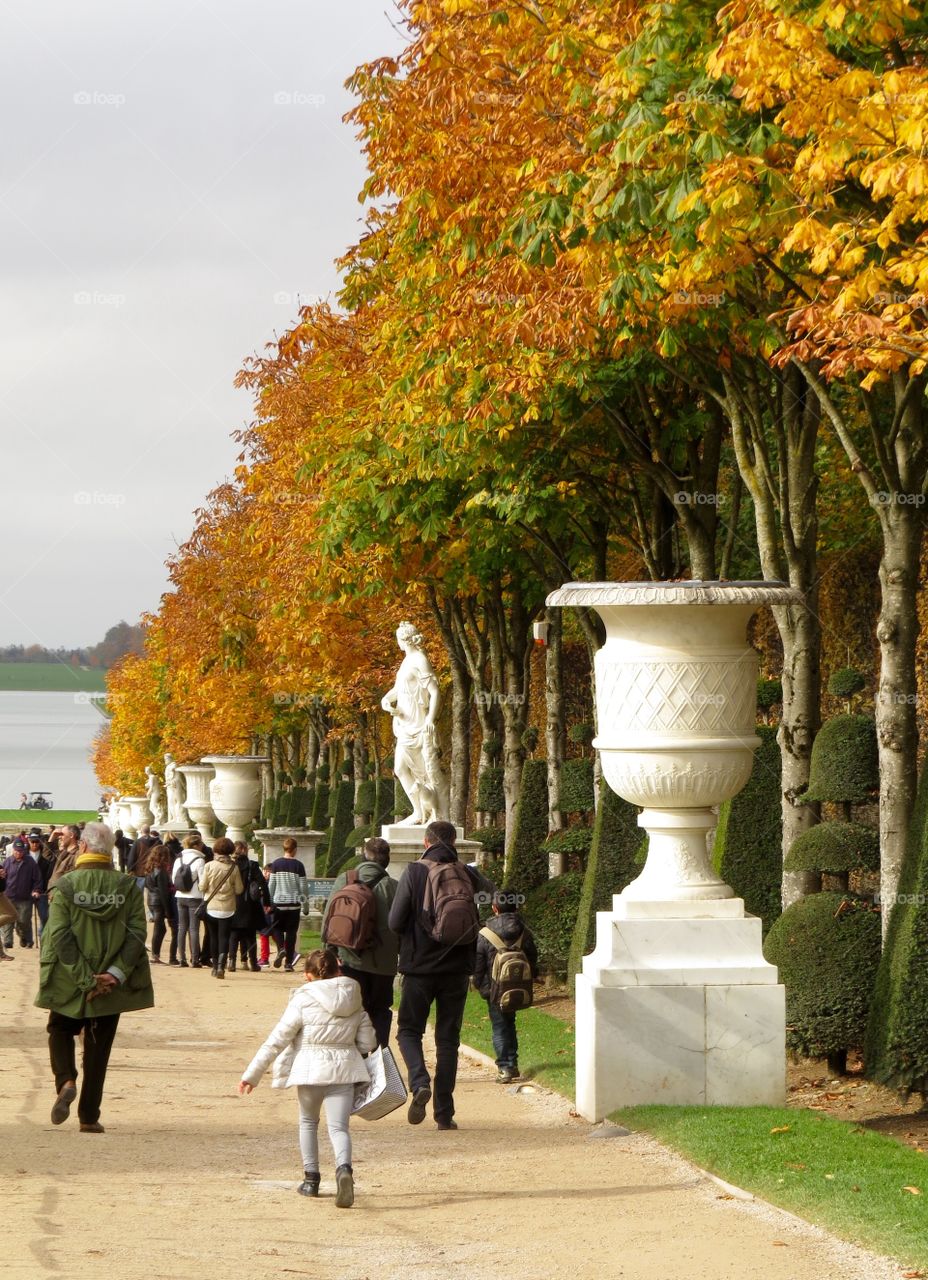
690	592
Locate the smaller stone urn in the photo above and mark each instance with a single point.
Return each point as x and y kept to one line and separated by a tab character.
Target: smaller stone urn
235	792
139	813
197	803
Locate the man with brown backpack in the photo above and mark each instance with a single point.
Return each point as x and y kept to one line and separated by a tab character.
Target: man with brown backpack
435	913
357	924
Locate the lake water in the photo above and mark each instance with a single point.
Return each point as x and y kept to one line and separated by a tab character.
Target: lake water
45	741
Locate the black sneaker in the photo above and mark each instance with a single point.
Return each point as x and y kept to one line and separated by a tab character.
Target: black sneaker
344	1182
446	1124
62	1108
279	959
310	1184
420	1100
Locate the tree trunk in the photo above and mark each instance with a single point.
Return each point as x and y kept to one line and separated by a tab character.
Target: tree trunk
897	733
801	636
461	686
555	729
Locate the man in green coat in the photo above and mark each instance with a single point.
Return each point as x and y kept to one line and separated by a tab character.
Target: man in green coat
375	968
94	966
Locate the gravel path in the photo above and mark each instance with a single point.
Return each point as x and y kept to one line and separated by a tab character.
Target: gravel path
191	1181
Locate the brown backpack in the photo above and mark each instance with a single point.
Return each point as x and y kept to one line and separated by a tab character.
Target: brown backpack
351	920
448	906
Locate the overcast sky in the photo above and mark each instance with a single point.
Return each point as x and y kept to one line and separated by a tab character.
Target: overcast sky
174	177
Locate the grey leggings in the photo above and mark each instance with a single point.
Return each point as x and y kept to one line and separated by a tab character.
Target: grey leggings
338	1100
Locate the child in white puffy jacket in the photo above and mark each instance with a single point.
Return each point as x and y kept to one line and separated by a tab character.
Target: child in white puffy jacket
318	1045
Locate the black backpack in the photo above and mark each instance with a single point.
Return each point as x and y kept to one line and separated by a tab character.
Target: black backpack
183	877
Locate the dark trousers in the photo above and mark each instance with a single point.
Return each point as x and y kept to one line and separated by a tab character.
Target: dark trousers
189	926
449	993
505	1040
243	941
286	929
98	1041
161	925
377	998
219	930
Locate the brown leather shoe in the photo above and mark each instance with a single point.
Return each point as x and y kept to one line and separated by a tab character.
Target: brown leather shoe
62	1108
96	1127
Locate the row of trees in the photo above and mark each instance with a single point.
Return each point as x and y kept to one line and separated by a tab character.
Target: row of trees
642	291
118	641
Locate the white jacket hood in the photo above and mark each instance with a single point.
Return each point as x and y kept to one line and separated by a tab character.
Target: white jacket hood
340	997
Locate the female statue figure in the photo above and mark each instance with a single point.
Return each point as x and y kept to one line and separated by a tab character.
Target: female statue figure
414	703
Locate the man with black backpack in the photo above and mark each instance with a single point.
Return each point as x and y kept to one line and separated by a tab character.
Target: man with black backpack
357	924
435	913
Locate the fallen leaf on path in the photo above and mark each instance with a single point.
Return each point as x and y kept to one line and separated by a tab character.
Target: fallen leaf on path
913	1191
795	1164
830	1177
724	1195
780	1244
780	1128
912	1275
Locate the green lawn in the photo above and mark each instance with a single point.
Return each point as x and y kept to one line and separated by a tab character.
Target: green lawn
51	677
839	1176
46	817
546	1044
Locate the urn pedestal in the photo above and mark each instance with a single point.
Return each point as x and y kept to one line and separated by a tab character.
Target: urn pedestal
307	842
197	778
676	1003
235	792
138	814
407	844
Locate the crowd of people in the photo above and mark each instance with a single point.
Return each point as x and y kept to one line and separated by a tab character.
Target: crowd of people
96	895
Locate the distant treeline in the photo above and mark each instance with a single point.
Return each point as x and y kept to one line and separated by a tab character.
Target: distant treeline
117	642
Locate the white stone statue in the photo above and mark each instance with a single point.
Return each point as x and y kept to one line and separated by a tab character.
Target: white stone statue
155	792
174	785
414	703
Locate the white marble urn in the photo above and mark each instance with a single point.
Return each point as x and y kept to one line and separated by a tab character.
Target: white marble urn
140	814
676	702
198	805
235	791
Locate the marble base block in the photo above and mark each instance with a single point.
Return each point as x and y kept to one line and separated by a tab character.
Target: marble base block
307	842
682	1011
407	845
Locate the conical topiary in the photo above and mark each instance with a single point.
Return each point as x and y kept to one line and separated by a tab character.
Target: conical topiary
527	863
835	848
610	866
845	765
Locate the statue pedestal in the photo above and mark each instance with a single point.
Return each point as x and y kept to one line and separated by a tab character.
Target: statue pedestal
676	1005
307	842
407	844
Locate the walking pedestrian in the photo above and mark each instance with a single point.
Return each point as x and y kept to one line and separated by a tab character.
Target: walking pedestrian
21	881
508	937
435	914
94	969
252	910
158	893
220	883
188	895
287	883
373	967
318	1046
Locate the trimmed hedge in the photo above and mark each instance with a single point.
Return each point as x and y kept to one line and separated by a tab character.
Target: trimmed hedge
366	800
342	827
845	765
384	801
493	839
490	795
402	805
356	838
748	851
550	911
527	863
610	867
827	949
299	807
896	1050
319	818
577	786
845	682
575	840
835	847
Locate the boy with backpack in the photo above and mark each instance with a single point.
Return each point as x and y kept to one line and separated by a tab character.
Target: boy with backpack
435	914
506	967
188	895
356	923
